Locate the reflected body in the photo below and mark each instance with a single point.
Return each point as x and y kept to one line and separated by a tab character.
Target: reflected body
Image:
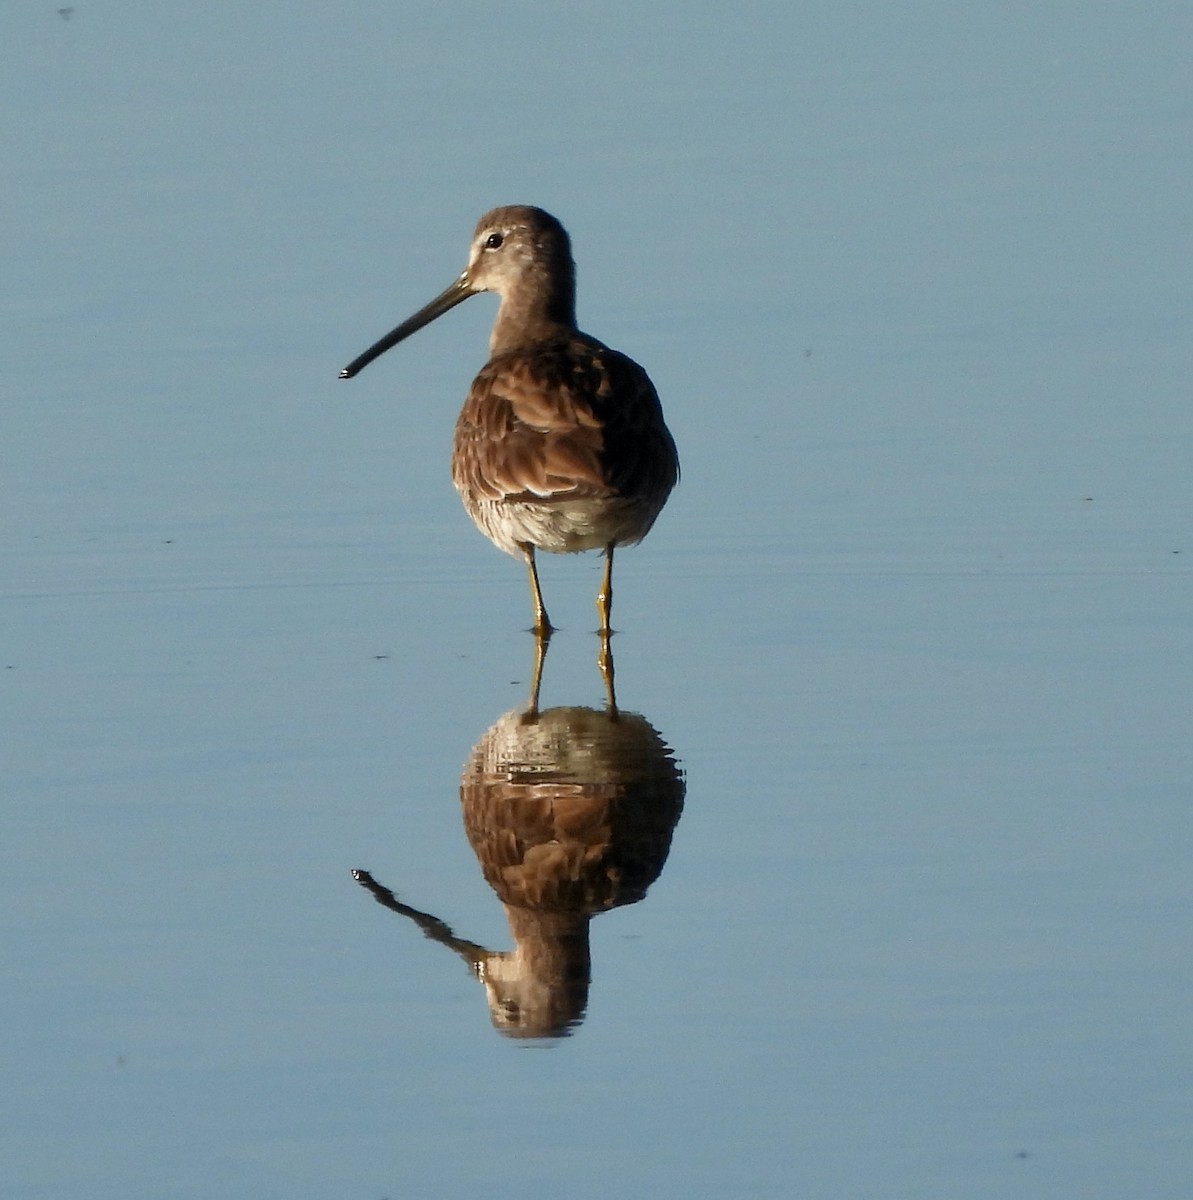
570	812
561	444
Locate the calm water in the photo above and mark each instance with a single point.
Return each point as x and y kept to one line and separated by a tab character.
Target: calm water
893	893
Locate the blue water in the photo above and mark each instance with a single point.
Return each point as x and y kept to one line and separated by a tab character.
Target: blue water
913	285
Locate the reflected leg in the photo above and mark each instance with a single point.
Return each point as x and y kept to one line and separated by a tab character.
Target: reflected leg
541	642
605	663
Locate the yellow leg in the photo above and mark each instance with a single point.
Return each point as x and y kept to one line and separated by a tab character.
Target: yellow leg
604	600
542	623
605	662
541	642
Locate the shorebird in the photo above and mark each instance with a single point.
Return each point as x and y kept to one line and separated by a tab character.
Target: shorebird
570	812
561	444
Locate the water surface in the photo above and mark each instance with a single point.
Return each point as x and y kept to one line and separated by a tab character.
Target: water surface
915	626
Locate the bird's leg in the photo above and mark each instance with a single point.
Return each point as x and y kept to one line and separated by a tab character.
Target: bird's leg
604	600
542	623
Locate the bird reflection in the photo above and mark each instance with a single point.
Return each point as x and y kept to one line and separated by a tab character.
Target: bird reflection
570	812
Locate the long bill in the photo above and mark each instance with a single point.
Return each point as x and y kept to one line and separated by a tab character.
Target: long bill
455	294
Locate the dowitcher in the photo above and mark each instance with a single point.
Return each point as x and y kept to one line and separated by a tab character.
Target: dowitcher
561	444
570	812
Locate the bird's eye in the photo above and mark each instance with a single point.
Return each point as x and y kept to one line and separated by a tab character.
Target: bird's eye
493	241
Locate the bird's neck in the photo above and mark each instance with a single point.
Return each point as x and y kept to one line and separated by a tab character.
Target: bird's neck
529	316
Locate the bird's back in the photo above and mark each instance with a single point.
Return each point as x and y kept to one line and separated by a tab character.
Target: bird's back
568	427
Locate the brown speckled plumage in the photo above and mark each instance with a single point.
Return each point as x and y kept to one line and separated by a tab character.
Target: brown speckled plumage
570	812
561	444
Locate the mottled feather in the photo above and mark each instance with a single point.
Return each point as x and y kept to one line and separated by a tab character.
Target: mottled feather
561	444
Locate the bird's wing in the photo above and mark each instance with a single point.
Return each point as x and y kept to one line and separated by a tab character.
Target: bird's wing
573	419
531	427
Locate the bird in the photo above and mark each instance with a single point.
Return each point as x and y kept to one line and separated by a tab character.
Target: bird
561	445
570	811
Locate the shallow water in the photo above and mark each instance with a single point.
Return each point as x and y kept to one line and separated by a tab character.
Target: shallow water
915	625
